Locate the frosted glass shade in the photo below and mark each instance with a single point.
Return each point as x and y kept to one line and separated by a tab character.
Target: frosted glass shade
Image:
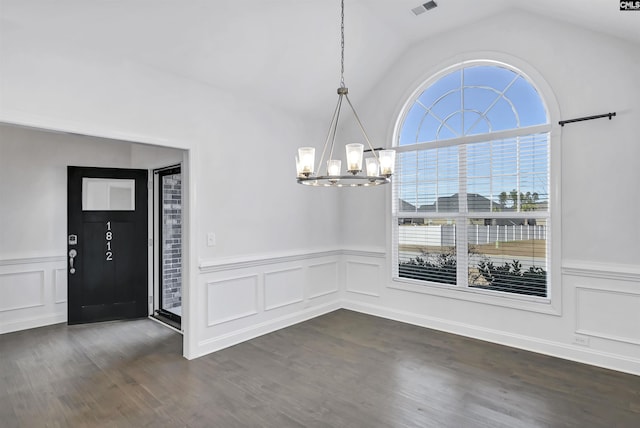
306	159
298	167
333	167
387	162
372	167
354	157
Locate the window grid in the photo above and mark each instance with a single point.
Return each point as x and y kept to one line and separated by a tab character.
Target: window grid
501	193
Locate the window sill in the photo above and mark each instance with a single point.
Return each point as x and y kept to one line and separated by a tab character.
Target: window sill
524	303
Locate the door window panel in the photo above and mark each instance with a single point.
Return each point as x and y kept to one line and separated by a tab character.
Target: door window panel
108	194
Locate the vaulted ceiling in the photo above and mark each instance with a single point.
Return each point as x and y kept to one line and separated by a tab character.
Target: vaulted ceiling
286	51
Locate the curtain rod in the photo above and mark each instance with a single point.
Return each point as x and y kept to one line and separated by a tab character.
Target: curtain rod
580	119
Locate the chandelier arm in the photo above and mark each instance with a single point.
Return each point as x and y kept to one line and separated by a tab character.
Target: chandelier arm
335	128
354	180
331	135
366	137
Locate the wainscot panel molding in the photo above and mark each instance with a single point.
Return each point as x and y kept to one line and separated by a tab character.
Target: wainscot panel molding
245	297
38	260
552	348
608	314
234	263
231	299
363	278
615	340
283	288
33	291
607	300
219	342
248	297
601	270
369	253
323	279
60	285
21	290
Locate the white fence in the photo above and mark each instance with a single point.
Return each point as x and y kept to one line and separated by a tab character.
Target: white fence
444	235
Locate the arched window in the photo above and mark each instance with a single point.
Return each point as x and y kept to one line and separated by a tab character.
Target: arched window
471	192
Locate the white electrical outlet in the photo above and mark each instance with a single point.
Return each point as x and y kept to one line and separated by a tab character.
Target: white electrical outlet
579	339
211	239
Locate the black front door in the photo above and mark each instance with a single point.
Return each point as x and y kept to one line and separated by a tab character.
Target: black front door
107	244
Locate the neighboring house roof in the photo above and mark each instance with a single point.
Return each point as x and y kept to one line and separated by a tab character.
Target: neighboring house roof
406	206
450	203
475	202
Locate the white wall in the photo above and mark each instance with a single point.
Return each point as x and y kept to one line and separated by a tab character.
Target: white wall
33	186
240	175
33	215
285	253
150	157
589	74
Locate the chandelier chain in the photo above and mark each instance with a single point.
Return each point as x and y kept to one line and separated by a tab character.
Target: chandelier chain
377	172
342	46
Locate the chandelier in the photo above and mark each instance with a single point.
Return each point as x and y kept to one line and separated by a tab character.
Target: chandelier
379	167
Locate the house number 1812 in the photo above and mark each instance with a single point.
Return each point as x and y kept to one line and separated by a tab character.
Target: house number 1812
109	237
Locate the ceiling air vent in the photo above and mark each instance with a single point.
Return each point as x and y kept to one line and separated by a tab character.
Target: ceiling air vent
424	7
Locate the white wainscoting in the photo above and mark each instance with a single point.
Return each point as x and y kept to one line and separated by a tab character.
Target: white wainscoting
21	290
32	292
60	285
608	314
283	288
231	299
364	278
251	296
601	302
323	279
244	298
607	301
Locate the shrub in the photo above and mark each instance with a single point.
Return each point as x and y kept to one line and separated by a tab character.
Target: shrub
431	267
509	277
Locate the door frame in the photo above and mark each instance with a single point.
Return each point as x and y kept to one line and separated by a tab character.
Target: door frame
190	152
156	231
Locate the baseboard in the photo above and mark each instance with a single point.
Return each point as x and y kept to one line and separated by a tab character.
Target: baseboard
221	342
554	349
35	322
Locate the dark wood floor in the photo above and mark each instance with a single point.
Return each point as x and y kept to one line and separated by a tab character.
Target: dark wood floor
343	369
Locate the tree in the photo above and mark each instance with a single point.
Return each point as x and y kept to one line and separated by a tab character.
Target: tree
529	201
503	199
525	201
513	195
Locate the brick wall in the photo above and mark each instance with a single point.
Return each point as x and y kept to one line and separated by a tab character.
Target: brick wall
171	241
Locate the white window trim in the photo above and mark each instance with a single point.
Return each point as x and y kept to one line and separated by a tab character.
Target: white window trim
552	304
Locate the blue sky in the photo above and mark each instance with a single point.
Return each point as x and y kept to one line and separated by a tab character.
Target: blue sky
473	101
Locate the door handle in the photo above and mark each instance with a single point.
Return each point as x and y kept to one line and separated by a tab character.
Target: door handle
72	255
